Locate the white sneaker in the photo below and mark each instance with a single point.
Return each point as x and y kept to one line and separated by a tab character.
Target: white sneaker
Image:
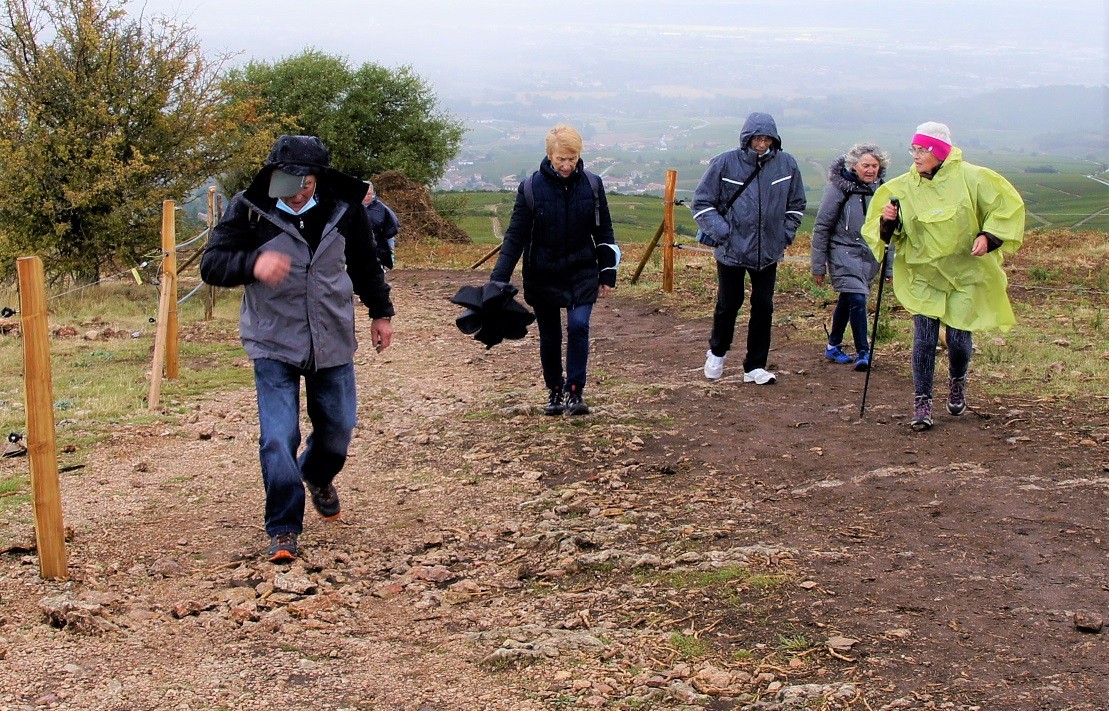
714	365
758	376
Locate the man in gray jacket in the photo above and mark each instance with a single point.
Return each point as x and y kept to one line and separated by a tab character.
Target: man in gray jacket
299	242
748	206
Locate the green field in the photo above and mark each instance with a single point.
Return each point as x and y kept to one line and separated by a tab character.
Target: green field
634	217
1057	191
1064	199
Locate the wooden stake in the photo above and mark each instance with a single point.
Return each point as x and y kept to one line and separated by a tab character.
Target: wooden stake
169	283
649	250
487	257
167	309
668	223
39	402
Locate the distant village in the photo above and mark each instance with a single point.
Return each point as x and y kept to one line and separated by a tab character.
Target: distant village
471	171
464	176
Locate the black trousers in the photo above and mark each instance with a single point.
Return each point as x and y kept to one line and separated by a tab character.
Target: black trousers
729	298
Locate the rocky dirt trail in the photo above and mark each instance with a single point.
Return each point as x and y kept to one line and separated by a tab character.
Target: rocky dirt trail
689	545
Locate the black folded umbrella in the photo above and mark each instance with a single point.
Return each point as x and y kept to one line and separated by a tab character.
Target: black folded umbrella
492	313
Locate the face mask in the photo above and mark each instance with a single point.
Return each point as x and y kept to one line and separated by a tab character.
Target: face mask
307	206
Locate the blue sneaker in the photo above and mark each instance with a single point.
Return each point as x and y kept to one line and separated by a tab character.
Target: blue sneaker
862	361
836	354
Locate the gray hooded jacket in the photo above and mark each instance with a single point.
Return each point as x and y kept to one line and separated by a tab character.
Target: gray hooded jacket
760	225
838	247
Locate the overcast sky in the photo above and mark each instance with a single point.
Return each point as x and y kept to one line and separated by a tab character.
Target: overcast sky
784	45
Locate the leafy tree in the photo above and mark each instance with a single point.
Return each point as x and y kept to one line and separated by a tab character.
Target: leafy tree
372	118
102	117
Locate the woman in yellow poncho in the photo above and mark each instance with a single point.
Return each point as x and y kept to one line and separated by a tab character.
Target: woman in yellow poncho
952	222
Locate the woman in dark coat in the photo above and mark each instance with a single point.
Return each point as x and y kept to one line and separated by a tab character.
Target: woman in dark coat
562	229
838	247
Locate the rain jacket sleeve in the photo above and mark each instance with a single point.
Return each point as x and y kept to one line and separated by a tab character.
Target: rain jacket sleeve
516	239
999	206
364	268
873	224
608	252
705	199
233	249
795	202
825	225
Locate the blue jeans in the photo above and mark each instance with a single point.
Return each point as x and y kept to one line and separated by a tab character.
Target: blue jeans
332	408
549	321
851	308
729	299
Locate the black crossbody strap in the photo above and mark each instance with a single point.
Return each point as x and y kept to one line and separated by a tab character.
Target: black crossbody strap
735	196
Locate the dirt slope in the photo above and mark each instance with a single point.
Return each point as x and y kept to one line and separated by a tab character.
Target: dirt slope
688	545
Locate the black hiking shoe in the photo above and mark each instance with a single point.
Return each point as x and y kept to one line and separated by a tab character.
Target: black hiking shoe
283	548
554	403
326	501
574	404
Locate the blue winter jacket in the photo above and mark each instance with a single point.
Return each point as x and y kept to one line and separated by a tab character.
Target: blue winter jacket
763	221
566	254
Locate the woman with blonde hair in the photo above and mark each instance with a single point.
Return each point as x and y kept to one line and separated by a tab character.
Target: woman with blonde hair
562	228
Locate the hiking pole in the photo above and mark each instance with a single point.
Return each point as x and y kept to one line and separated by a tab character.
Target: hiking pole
877	312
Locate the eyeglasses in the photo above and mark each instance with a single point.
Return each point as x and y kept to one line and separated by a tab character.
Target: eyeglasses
918	150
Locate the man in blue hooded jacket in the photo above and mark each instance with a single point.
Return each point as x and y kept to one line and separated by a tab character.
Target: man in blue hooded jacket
385	225
299	242
748	206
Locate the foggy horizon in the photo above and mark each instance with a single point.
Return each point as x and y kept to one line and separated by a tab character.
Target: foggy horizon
483	50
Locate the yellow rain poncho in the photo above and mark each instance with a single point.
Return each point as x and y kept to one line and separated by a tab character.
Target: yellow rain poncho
934	273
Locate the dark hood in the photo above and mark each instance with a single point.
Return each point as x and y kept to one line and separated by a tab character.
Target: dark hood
759	124
305	155
300	155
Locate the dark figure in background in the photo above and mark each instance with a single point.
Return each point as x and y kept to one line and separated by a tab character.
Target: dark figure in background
564	233
299	243
748	206
839	250
385	226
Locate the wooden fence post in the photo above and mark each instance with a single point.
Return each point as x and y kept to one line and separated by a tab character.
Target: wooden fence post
39	401
165	337
668	230
169	283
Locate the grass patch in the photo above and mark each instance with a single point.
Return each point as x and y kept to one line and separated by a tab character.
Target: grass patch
795	644
15	495
688	647
101	351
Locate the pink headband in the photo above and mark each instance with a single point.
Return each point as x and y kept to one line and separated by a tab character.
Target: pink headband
939	149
